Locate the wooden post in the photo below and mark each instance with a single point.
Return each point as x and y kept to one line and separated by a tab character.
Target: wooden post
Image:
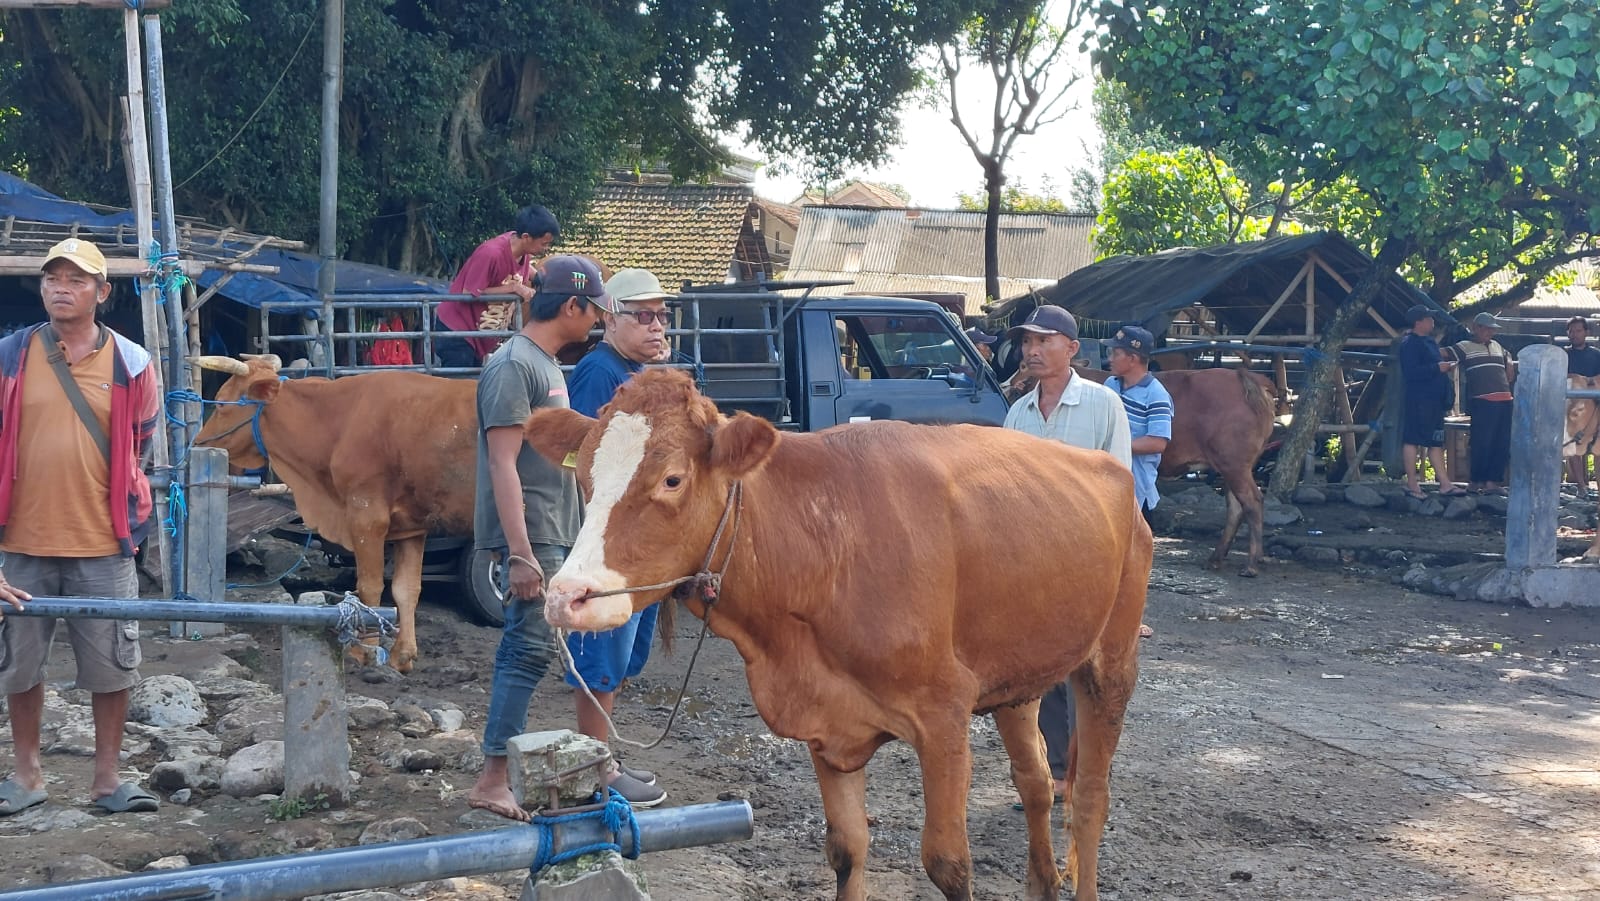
205	549
1537	419
316	734
1347	439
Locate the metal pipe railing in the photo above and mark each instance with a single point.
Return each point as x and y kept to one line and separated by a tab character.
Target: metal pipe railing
400	863
190	611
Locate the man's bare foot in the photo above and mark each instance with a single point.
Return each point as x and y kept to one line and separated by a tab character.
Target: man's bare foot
498	801
1060	786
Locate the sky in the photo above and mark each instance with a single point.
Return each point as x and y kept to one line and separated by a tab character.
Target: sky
934	164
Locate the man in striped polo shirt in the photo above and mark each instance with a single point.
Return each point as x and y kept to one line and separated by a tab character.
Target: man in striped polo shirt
1148	405
1489	372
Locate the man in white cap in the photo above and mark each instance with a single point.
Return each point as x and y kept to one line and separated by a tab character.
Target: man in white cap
1063	406
77	403
635	334
1489	372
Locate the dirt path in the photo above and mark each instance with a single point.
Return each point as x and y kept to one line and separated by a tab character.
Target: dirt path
1311	734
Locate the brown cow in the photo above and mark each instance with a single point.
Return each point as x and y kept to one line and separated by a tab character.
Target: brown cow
373	458
1583	434
872	588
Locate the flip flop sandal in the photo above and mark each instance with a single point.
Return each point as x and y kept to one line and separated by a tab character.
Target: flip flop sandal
1417	495
14	799
128	798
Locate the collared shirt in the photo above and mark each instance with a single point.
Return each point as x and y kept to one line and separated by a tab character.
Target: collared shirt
596	378
1485	369
1088	415
1149	409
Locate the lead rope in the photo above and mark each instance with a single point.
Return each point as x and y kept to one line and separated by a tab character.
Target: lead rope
709	585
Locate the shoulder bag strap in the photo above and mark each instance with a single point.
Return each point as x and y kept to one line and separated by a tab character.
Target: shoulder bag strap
58	364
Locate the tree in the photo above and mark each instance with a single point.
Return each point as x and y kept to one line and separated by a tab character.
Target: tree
1021	45
1017	199
1186	197
1119	138
1470	129
456	112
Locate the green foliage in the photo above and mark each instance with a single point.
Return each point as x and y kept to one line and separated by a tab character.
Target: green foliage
287	808
1470	129
1159	200
1016	198
457	112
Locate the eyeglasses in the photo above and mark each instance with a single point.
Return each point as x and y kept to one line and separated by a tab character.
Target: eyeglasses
646	317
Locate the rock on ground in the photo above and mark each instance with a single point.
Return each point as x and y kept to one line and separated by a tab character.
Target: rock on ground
168	702
255	770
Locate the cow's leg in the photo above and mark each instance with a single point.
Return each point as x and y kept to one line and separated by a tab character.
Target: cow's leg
368	546
1019	729
945	754
1244	499
406	586
844	804
1230	528
1102	686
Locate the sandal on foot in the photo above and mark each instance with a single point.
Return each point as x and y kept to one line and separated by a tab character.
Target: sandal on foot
1454	492
1418	495
15	799
645	776
128	798
637	793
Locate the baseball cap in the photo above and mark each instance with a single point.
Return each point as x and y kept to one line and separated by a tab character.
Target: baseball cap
634	286
1419	312
1486	319
979	336
573	276
1134	339
1046	319
80	253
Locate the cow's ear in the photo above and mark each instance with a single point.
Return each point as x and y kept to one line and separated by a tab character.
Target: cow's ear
742	444
556	432
264	390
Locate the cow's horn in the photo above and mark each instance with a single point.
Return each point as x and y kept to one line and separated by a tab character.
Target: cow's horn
222	364
272	360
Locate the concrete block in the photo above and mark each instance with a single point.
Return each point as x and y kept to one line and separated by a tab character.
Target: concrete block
592	877
534	760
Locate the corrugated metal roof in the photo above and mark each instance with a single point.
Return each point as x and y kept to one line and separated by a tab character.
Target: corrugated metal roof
882	283
846	241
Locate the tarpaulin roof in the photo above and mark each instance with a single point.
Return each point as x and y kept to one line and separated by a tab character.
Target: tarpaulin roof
1238	283
295	282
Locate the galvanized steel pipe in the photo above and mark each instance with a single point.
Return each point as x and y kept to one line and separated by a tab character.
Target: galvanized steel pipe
189	611
400	863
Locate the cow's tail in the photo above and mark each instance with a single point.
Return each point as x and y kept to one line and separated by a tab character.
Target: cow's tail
1255	394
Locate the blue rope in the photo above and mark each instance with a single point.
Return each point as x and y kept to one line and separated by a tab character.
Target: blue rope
165	274
299	562
615	815
177	507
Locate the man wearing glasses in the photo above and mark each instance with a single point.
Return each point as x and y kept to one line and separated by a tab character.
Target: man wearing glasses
635	334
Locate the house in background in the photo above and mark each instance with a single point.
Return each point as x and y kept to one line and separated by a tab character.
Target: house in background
900	251
701	234
779	223
854	193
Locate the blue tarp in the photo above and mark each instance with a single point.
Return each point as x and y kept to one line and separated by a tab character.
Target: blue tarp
295	283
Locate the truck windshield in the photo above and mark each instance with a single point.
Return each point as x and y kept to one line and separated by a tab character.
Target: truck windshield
895	346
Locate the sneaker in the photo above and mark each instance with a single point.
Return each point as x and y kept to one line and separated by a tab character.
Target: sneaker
645	776
637	793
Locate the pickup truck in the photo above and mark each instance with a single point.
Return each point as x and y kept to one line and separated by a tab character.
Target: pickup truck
803	361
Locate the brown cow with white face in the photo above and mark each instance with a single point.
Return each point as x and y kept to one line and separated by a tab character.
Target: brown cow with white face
374	458
872	586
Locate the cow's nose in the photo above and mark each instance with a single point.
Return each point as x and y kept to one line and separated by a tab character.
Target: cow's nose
565	598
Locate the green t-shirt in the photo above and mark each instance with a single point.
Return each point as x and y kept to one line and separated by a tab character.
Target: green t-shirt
517	379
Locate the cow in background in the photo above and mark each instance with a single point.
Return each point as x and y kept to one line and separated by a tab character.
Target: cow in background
373	458
869	579
1582	436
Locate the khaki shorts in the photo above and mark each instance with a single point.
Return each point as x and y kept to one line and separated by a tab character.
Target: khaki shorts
107	650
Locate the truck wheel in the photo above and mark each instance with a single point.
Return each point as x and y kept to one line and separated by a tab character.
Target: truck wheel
480	595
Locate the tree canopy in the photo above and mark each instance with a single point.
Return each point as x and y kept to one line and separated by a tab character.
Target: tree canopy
1157	200
456	112
1016	198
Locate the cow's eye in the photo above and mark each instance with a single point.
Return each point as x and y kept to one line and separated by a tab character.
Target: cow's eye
674	481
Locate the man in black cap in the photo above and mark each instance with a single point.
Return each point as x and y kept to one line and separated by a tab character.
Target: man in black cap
984	342
1428	396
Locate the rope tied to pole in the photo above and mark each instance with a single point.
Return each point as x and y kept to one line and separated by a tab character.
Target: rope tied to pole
357	621
615	814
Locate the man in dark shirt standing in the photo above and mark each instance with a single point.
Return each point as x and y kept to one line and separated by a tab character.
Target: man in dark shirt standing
1583	359
1489	373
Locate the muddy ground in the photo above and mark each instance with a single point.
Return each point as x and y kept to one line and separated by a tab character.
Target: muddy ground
1317	732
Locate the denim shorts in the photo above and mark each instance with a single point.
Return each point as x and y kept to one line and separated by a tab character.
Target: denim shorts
604	659
107	651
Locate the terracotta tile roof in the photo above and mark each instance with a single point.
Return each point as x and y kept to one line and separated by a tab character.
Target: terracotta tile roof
788	213
678	232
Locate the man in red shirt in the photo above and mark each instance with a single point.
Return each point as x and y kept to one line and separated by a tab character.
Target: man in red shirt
502	265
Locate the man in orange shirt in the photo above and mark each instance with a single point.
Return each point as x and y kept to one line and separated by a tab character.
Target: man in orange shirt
77	402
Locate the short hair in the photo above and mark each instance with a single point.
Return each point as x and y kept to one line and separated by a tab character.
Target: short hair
536	220
1578	320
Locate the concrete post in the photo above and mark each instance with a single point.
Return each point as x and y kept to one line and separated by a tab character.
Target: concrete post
1537	419
205	545
564	769
316	731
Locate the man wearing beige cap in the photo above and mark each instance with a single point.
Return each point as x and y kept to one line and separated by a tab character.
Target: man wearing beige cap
77	403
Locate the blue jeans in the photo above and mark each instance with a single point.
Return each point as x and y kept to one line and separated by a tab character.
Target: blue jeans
521	661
